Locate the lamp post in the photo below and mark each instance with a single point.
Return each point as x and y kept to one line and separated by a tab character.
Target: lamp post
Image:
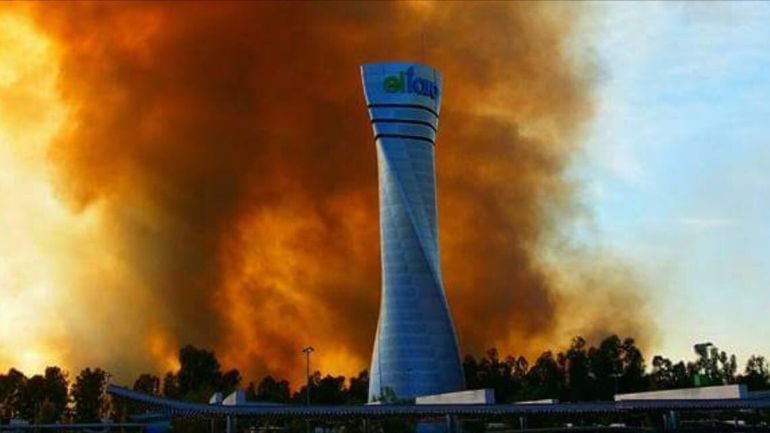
307	351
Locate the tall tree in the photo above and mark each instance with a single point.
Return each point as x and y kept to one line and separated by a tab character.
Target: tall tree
229	381
199	375
147	384
505	377
606	367
728	367
519	369
471	372
713	367
358	391
39	399
269	390
56	385
88	393
545	379
31	397
329	390
683	375
633	376
662	375
756	375
575	362
171	386
11	388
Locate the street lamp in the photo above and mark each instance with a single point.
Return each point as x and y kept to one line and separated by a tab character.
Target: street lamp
307	351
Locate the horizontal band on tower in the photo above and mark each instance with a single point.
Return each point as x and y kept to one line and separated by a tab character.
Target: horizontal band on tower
404	136
419	107
410	122
404	113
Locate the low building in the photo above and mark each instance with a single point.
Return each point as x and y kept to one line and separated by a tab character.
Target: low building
722	392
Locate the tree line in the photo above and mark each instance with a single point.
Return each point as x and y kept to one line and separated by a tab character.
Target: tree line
49	397
578	373
615	365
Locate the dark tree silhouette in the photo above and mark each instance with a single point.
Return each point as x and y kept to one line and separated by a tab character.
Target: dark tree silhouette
663	375
580	373
323	390
229	381
269	390
39	399
756	375
358	390
606	367
545	379
713	367
633	374
330	390
198	373
31	398
148	384
11	386
575	364
199	376
56	387
171	386
88	393
505	377
145	383
471	372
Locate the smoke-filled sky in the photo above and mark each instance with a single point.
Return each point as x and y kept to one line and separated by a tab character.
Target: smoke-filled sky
178	173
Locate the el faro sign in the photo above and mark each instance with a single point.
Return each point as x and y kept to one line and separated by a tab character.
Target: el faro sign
406	82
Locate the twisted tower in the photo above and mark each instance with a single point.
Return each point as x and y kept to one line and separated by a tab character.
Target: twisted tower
415	349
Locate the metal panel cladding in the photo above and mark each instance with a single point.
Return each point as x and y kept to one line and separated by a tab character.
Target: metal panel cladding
415	349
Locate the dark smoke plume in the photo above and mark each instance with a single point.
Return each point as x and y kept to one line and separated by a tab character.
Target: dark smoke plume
227	148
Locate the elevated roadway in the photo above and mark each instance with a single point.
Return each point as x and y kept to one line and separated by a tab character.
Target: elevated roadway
175	408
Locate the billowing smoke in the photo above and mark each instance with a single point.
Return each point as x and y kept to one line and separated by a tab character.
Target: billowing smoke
224	156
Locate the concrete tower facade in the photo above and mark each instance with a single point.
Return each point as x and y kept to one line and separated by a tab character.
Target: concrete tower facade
415	350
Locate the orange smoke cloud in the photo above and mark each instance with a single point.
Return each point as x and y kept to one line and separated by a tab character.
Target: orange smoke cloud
225	157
